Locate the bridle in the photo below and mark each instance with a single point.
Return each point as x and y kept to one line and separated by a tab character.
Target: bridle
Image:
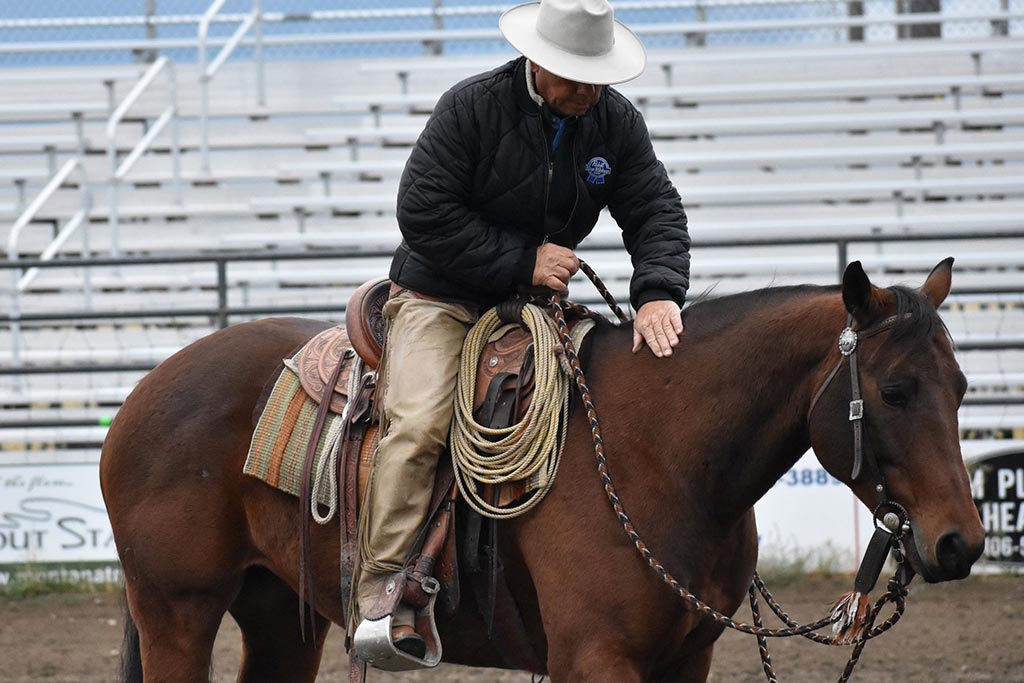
891	514
878	549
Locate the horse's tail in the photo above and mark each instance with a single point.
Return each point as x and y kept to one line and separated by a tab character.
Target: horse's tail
131	657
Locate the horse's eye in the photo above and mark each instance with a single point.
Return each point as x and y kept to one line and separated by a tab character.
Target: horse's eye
894	396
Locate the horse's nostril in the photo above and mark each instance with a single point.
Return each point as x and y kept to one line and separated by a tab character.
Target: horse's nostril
954	555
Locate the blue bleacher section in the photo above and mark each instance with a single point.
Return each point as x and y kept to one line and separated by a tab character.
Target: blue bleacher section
791	153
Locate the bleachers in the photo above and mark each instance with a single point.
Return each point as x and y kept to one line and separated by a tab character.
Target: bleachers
804	146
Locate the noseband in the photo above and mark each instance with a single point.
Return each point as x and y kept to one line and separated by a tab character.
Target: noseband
893	515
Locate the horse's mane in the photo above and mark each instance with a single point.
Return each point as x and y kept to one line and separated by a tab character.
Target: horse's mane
713	314
917	318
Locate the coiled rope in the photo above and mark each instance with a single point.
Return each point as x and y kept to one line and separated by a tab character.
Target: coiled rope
529	449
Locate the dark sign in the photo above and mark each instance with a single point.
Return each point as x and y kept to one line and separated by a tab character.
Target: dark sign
997	484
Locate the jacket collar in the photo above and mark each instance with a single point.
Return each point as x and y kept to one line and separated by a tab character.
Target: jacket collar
531	87
525	95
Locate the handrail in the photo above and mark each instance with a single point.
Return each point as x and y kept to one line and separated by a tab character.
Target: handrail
168	116
207	71
18	285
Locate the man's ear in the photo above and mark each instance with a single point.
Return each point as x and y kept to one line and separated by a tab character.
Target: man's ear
936	286
858	295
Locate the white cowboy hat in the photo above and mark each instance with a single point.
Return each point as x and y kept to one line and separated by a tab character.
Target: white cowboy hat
575	39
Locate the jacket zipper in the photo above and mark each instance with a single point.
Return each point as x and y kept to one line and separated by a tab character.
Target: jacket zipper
550	165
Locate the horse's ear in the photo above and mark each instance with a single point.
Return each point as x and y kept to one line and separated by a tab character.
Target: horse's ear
936	287
858	295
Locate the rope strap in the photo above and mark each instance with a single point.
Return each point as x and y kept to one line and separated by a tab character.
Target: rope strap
896	592
528	449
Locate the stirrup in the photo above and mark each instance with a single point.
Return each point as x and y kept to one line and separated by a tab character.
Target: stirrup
372	641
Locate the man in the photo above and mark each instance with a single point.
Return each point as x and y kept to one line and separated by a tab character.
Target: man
507	178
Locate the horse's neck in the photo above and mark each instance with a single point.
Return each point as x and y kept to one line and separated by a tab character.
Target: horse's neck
743	394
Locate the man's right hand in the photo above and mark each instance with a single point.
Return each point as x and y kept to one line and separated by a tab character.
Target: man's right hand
555	265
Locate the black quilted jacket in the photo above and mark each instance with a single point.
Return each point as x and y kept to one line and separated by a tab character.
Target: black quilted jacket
471	204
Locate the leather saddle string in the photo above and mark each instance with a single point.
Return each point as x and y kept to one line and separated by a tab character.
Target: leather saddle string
306	580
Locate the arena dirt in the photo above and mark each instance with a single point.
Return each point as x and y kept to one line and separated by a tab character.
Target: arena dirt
954	633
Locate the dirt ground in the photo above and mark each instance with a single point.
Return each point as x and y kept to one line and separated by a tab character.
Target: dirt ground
951	633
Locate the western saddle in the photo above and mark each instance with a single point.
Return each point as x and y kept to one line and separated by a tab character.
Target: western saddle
504	390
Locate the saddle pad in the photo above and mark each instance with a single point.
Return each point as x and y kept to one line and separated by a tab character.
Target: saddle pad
279	443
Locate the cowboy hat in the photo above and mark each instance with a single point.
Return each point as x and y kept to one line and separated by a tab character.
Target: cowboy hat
576	39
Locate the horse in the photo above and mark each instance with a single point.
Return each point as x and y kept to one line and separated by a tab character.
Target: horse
692	440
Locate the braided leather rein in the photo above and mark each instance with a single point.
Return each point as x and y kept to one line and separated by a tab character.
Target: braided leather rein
896	590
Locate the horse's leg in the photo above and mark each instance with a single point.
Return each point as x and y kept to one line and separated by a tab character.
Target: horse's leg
176	631
267	611
694	670
593	661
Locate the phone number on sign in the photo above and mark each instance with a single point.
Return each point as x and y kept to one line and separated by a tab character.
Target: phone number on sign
1000	547
809	477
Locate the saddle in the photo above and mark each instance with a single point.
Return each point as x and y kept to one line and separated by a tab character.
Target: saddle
504	389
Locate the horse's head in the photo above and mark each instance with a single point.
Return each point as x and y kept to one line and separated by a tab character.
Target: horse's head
911	387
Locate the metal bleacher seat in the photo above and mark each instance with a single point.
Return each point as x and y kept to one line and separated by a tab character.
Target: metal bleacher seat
969	55
768	142
955	87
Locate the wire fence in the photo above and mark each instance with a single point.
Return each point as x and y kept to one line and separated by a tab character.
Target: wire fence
171	26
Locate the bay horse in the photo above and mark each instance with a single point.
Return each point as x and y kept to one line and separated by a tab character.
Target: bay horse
692	440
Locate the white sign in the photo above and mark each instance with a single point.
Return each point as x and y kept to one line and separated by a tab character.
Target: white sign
53	513
810	515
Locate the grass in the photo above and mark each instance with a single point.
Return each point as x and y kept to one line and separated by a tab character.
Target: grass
18	582
782	565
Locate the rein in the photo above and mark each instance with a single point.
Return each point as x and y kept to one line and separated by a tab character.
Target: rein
896	590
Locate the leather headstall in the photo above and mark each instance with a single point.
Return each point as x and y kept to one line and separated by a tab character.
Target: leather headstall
897	520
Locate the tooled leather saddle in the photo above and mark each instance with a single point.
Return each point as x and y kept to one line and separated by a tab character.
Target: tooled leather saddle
504	389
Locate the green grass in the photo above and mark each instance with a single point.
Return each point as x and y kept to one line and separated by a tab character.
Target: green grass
25	581
787	565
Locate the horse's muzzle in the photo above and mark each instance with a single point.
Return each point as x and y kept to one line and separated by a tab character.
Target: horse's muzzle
954	555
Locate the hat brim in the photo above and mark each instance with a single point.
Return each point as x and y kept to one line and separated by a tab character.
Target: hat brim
624	62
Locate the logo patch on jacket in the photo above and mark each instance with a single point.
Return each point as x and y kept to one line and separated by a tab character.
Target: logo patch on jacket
597	168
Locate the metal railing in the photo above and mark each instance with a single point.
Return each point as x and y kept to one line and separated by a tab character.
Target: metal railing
222	312
118	171
208	69
21	283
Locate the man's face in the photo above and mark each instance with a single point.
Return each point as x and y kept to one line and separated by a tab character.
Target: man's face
565	97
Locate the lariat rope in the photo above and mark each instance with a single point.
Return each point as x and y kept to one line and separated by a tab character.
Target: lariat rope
896	591
531	448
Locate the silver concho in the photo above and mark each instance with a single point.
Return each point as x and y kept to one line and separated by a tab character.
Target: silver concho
847	341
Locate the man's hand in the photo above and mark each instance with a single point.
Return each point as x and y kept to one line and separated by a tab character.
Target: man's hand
659	323
554	266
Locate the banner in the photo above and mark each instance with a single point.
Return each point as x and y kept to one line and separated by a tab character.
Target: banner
53	513
997	484
810	518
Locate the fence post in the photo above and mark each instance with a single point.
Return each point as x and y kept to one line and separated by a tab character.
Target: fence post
437	47
842	247
698	39
15	324
855	8
1001	27
222	293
